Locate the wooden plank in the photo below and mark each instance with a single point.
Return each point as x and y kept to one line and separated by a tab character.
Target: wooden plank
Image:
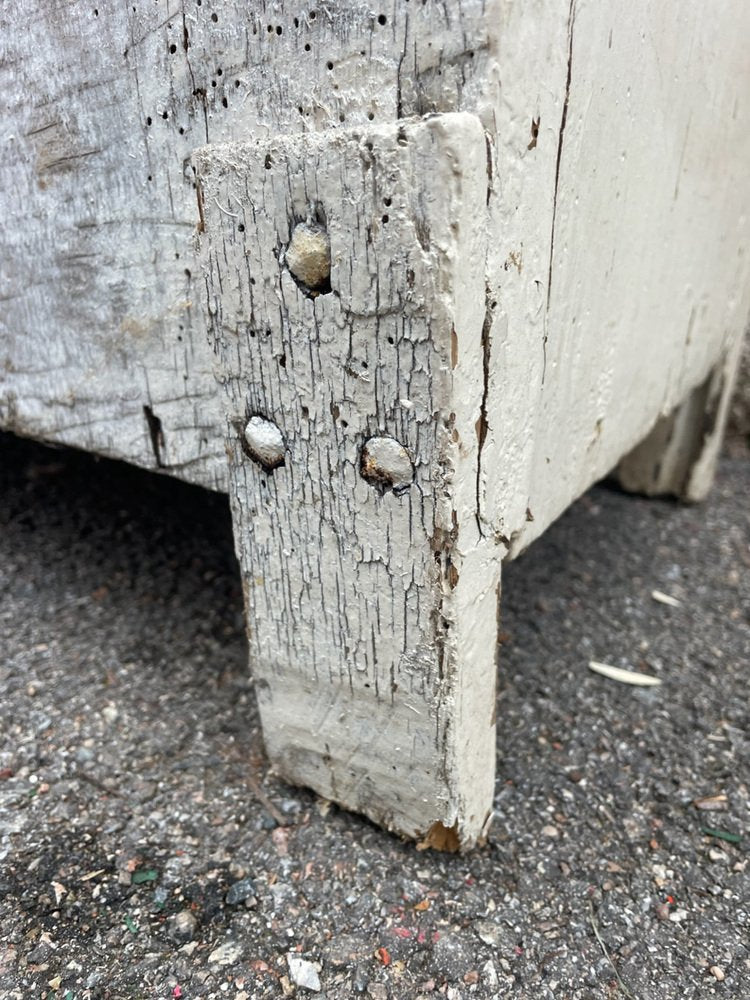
352	421
622	237
680	454
103	106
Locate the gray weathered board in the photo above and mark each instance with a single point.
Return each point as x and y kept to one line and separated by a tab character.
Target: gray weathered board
537	216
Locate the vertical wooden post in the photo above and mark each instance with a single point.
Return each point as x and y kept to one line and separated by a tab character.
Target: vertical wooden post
679	456
346	288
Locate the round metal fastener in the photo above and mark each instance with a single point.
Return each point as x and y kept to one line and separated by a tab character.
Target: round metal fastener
386	462
265	442
308	257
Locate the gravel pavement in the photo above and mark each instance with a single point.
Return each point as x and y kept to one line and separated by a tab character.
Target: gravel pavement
146	851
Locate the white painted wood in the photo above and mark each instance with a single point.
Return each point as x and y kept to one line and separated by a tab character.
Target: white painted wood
371	591
632	279
599	281
103	104
679	456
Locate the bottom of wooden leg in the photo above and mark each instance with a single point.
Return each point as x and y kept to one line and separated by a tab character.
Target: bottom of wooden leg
678	458
392	763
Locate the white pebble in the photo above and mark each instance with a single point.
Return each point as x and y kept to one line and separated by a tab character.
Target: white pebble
303	973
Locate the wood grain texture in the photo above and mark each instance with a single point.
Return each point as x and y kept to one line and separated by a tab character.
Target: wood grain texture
372	608
680	455
621	262
103	104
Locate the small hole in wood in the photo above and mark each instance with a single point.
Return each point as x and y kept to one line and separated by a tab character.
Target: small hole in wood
269	161
279	29
148	122
241	227
385	219
329	64
387	202
382	19
164	115
307	46
391	340
370	115
214	17
172	48
224	102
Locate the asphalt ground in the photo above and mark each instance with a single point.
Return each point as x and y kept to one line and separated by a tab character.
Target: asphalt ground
146	850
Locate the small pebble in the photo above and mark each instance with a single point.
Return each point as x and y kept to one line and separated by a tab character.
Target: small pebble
717	972
303	973
110	714
183	925
240	891
226	954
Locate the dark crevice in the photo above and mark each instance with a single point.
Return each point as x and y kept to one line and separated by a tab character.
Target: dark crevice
482	425
488	145
156	434
560	139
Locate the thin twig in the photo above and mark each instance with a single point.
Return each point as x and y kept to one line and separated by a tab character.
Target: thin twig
600	939
85	776
264	800
232	215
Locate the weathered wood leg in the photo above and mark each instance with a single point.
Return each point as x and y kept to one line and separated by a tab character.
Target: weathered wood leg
679	456
346	287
